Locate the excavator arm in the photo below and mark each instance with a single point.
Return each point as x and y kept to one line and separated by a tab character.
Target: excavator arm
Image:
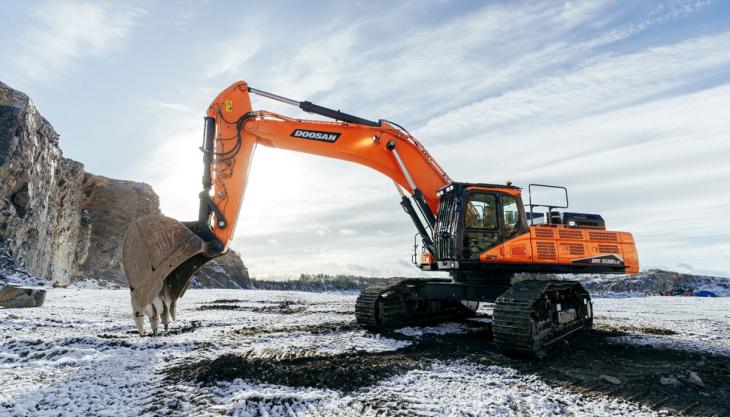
233	130
161	255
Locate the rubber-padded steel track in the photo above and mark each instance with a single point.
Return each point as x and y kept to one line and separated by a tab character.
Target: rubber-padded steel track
533	315
398	303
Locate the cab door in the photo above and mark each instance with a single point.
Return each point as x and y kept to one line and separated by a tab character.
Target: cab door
482	225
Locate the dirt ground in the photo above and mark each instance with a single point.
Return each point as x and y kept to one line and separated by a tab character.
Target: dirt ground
285	353
580	365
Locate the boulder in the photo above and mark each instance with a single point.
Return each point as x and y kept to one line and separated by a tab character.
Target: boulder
611	379
108	206
694	378
228	271
21	297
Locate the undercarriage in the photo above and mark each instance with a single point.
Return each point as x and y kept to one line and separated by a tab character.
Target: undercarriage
529	316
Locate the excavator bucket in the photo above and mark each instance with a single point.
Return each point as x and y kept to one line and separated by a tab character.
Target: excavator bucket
160	253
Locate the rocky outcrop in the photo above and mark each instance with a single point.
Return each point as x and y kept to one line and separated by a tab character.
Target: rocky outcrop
39	197
64	224
228	271
107	207
655	282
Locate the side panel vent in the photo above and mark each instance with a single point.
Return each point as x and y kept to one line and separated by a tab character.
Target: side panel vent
603	236
519	251
608	249
546	250
570	234
544	233
576	249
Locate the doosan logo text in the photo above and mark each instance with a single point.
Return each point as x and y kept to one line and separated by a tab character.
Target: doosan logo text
316	135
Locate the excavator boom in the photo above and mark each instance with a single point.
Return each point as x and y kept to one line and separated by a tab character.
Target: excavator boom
232	130
378	145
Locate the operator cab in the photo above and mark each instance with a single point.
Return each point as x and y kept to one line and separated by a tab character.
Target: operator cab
473	218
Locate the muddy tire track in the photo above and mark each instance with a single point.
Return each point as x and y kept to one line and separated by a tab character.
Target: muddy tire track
283	307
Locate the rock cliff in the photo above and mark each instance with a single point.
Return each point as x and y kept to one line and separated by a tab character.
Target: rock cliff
107	207
39	197
64	224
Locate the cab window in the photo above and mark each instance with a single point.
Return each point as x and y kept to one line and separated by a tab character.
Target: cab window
511	215
480	224
481	211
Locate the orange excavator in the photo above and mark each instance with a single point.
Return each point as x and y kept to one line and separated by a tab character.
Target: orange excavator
481	234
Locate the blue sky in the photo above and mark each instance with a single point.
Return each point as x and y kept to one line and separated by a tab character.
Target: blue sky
626	103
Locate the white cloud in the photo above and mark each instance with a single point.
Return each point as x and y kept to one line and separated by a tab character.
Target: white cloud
434	68
156	105
174	169
63	32
229	56
348	232
316	67
602	83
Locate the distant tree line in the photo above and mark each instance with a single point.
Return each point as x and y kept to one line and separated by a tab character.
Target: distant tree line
318	283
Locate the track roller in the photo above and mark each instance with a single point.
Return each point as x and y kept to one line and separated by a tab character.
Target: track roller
532	316
399	303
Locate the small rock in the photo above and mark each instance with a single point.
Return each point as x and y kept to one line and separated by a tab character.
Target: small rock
611	379
21	199
695	379
670	380
21	297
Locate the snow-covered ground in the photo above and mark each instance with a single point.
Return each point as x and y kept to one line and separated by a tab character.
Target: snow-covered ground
689	323
79	355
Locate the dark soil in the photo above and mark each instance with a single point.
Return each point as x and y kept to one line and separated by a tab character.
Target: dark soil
345	372
188	328
109	336
642	329
313	329
219	307
278	309
577	366
639	369
655	330
284	307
